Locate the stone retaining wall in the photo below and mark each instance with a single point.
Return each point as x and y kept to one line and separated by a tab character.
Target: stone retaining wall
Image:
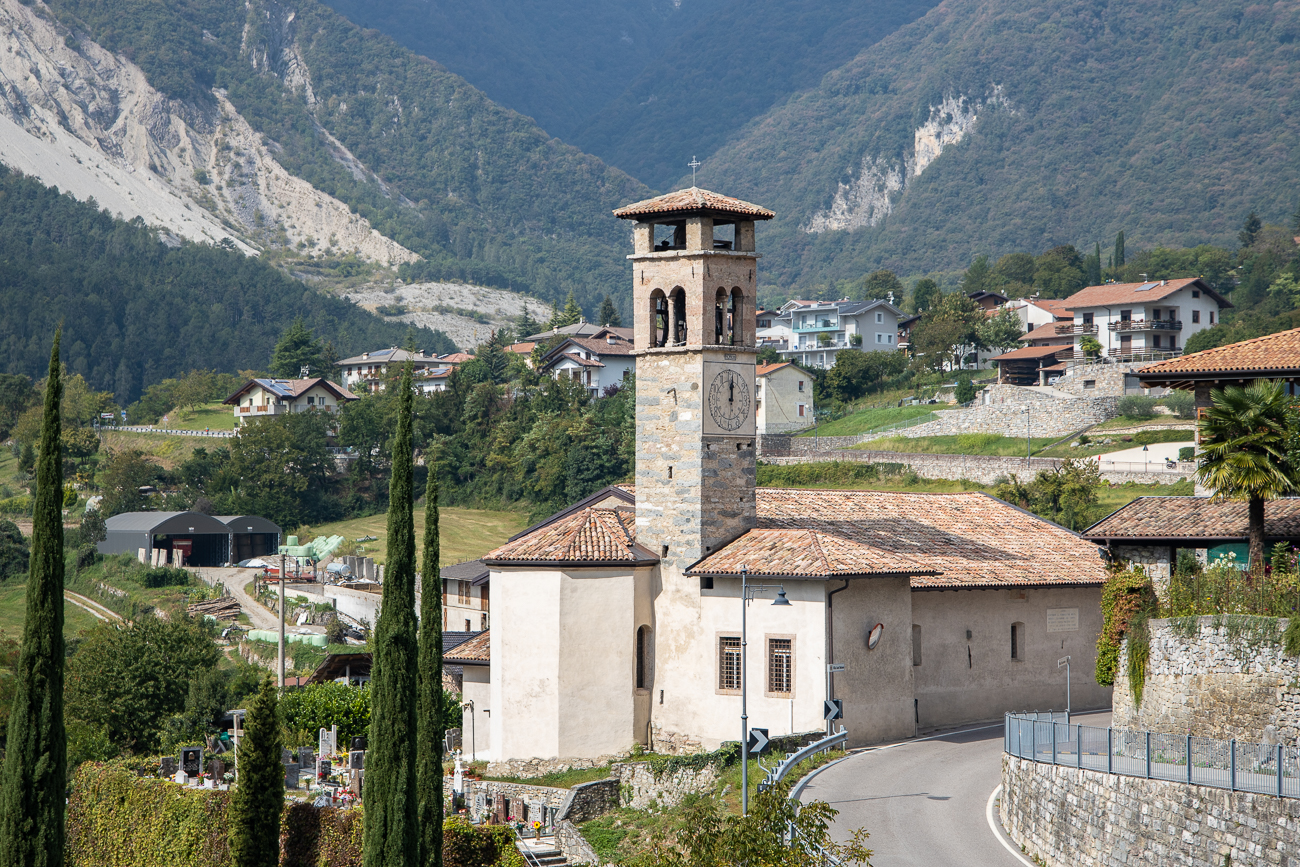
1001	412
979	468
1067	817
589	800
576	849
639	785
1223	683
528	768
525	800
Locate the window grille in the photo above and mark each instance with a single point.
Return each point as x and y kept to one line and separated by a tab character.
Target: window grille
729	663
779	673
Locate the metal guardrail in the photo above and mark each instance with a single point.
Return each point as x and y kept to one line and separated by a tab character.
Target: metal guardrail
159	430
778	773
1239	766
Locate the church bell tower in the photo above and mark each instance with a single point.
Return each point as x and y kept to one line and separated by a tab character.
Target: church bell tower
694	290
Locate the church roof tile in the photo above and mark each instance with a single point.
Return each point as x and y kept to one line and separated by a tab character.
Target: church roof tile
591	536
693	199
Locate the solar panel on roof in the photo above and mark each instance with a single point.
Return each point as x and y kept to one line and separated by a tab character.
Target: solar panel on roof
1146	286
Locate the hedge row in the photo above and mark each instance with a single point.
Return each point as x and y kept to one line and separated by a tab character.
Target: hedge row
117	818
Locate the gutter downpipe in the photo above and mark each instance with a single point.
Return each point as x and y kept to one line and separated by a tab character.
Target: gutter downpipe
830	648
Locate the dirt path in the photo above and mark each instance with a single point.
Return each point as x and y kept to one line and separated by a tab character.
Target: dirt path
234	579
90	605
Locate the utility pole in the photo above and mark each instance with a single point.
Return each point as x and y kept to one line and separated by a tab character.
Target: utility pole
282	622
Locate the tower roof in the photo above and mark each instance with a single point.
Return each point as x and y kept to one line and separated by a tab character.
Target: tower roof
692	200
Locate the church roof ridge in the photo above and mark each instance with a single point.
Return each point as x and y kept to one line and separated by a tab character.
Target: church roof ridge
595	535
694	199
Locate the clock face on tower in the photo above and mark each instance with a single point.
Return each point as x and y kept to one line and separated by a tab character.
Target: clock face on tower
729	400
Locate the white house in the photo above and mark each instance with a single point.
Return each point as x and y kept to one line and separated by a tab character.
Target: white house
619	620
783	398
259	398
597	362
366	372
465	599
816	331
1144	321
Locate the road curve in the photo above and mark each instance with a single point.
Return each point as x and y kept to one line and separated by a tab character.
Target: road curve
923	801
234	580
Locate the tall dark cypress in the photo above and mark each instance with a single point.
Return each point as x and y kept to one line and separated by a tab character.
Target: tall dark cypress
34	779
258	800
431	723
1119	249
391	794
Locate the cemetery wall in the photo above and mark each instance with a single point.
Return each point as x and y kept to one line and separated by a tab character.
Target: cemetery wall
1070	817
1231	678
576	849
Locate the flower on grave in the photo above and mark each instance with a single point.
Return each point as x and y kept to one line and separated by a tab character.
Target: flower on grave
536	824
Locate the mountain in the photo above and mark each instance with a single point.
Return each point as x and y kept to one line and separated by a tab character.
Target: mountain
556	62
989	126
277	92
136	310
733	66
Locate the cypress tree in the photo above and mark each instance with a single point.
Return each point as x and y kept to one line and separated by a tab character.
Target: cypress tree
1094	265
391	795
430	703
258	800
34	780
1119	250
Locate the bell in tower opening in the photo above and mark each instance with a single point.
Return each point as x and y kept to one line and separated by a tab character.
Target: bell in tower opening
694	295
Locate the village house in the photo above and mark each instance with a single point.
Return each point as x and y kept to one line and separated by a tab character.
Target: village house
465	603
259	398
600	362
783	400
815	331
367	371
1143	321
619	619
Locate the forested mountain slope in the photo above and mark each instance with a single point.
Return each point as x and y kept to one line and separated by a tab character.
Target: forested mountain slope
734	65
478	191
556	62
989	126
136	311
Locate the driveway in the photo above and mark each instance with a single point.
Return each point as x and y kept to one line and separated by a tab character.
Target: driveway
924	801
234	580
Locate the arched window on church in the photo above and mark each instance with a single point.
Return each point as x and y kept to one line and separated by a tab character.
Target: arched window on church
658	318
678	299
720	305
736	326
644	653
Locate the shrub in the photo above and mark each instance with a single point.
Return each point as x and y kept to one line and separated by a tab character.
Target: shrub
1127	596
1137	406
1181	403
965	390
163	576
321	705
1187	453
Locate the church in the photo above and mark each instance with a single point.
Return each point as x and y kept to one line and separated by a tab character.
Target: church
621	620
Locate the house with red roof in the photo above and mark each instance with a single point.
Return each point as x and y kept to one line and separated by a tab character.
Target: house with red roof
263	397
599	362
643	614
783	398
1146	321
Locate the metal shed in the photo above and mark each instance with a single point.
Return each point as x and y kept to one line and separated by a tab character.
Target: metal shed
204	540
251	536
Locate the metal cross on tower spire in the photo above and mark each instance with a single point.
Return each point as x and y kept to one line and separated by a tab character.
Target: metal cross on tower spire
694	164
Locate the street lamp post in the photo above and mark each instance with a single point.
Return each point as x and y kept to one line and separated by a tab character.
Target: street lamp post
1029	452
1066	664
747	593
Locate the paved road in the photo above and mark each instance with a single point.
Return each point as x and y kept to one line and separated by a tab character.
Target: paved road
923	801
234	580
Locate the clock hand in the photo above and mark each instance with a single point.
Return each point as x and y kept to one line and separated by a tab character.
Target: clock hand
731	391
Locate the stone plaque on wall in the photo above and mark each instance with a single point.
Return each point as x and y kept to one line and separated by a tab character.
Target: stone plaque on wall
1063	620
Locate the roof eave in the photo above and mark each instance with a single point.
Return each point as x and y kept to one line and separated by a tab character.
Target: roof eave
571	564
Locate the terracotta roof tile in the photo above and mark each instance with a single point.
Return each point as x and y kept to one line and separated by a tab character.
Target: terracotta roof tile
592	535
476	649
1274	353
1032	352
1132	293
694	199
971	539
805	554
765	369
1194	518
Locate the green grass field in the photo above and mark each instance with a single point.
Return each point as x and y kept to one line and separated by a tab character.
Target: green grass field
957	444
214	416
868	419
466	533
169	451
8	468
13	609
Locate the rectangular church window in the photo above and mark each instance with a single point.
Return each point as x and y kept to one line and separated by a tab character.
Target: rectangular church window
729	663
780	674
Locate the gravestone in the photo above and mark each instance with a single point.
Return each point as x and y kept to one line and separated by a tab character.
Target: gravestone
168	766
307	757
357	760
324	767
286	756
358	743
291	772
182	778
192	760
217	769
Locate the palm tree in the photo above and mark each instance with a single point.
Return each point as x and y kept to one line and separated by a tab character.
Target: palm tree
1244	436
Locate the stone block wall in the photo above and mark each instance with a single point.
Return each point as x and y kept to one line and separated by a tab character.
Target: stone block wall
1066	817
1001	412
529	768
640	785
589	800
1107	379
526	802
574	846
1223	683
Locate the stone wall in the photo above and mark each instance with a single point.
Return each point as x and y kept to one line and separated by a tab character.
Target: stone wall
589	800
982	469
529	768
1107	378
640	785
484	798
1000	411
576	849
1223	683
1065	817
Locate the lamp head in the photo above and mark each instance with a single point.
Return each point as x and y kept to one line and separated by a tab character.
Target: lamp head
780	598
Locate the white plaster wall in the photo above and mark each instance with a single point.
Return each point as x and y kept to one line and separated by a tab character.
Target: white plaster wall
1182	301
964	680
779	410
477	733
525	664
690	621
876	685
615	368
356	604
597	673
455	613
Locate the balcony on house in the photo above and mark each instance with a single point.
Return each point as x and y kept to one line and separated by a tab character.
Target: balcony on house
1131	325
264	409
1076	328
817	322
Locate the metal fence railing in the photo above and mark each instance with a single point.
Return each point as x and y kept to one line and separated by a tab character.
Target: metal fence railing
900	425
1241	766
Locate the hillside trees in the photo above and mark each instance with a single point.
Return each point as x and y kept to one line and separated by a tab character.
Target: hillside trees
946	334
298	349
